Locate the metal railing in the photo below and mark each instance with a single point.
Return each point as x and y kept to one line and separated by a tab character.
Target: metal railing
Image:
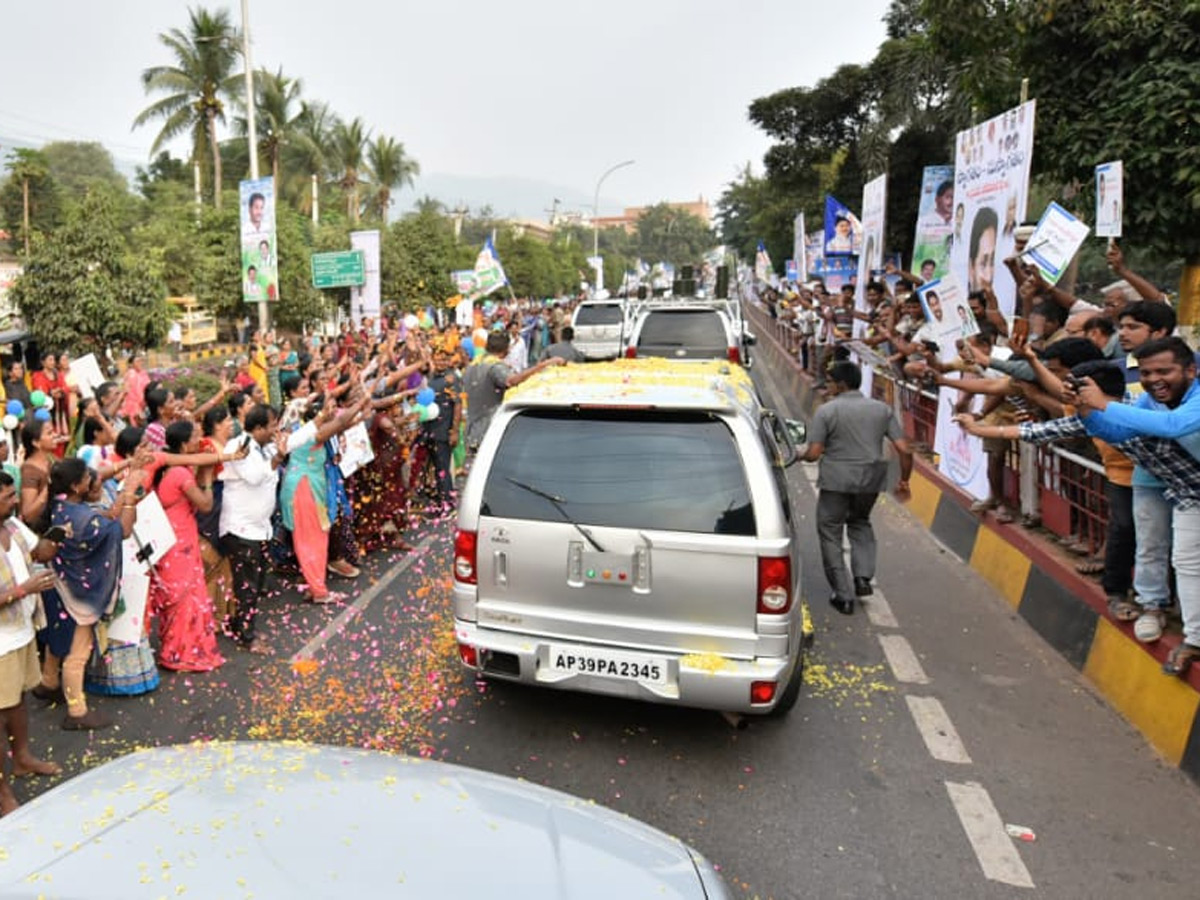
1070	501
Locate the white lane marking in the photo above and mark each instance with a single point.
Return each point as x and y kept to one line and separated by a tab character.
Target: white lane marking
993	848
937	730
902	659
879	611
339	623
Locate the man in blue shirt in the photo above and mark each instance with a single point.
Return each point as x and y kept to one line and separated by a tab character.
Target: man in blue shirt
1165	415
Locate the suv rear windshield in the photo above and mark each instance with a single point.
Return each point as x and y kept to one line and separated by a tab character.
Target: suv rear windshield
670	472
683	328
598	314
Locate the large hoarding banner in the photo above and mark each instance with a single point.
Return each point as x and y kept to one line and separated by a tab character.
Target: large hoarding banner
991	191
260	259
935	223
364	299
843	231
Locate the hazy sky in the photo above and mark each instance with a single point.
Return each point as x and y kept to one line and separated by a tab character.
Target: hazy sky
553	91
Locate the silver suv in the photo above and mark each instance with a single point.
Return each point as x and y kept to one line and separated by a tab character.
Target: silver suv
599	326
687	328
626	529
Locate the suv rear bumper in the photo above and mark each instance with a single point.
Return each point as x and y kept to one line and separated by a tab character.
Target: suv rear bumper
702	681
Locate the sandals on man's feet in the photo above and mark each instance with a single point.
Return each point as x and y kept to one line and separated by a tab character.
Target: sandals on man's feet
1091	566
1180	659
1123	610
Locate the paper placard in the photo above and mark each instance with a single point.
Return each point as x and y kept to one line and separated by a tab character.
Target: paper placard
1110	198
1055	241
85	374
356	449
152	528
130	625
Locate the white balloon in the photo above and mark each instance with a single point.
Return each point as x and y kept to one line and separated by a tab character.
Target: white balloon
433	411
411	321
10	422
49	404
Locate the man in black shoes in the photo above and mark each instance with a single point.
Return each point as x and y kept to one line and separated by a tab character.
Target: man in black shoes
847	435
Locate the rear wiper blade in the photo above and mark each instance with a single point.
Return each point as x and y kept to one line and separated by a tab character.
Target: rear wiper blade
557	502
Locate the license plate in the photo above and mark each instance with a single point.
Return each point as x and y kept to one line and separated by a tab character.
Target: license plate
607	664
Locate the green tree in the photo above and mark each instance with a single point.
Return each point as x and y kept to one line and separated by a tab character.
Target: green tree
388	167
78	165
164	169
349	145
83	290
309	154
672	235
197	86
29	198
417	254
1118	80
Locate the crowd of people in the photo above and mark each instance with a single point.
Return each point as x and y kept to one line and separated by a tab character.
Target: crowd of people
1111	380
140	523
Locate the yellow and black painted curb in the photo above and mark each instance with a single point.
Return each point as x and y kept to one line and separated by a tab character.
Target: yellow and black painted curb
1068	611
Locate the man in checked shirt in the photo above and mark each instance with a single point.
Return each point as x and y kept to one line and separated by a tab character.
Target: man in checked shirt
1161	432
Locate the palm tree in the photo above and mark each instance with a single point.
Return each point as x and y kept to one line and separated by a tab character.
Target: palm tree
349	149
197	85
24	166
388	167
279	116
309	153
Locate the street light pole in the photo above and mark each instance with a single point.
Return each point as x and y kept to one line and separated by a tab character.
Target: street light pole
596	206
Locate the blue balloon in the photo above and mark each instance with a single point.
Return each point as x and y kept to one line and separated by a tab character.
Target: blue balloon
42	415
468	348
425	396
15	408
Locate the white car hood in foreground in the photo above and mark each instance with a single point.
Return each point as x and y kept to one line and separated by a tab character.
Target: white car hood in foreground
283	820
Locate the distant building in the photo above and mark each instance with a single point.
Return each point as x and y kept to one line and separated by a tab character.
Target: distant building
531	228
628	220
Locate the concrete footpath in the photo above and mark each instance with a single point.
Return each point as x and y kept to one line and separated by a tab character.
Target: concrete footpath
1066	609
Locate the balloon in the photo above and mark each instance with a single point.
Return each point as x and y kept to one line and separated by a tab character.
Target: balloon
411	322
48	403
14	408
425	396
10	422
479	336
42	415
422	414
469	349
431	411
37	398
414	381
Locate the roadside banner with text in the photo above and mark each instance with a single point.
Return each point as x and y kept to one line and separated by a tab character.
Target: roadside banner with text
799	254
763	270
260	263
1110	198
949	320
935	223
991	189
870	260
365	298
1055	241
843	231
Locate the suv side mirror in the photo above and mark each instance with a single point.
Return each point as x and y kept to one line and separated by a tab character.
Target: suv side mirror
797	431
749	339
782	433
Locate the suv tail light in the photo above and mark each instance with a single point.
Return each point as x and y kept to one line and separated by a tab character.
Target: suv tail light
774	584
762	691
631	352
734	355
464	557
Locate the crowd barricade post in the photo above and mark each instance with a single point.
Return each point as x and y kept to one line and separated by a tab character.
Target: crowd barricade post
1071	491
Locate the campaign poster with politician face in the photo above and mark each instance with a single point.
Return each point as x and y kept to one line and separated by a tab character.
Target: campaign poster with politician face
991	189
1110	198
260	264
843	231
935	223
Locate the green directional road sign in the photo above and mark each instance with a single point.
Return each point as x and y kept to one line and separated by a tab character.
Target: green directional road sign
341	269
